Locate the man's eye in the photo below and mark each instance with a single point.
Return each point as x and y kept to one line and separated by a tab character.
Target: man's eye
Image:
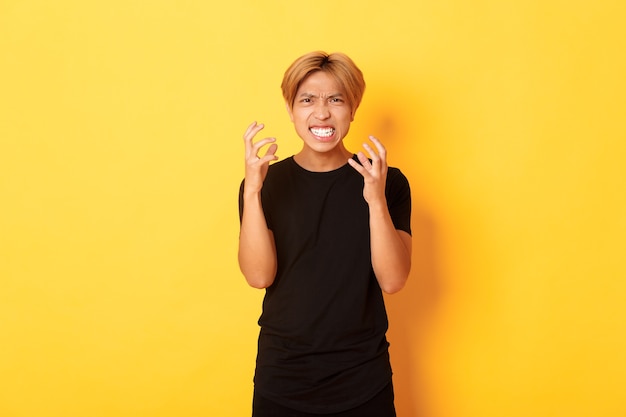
306	100
336	100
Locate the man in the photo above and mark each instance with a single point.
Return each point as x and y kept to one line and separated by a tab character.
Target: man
325	232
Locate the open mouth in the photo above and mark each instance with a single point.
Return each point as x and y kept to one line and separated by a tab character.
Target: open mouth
322	132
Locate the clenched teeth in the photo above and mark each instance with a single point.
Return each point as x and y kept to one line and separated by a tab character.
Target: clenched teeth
322	132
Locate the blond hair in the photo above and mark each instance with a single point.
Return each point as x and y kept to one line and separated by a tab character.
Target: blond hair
337	64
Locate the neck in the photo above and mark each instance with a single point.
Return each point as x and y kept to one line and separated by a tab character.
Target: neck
322	161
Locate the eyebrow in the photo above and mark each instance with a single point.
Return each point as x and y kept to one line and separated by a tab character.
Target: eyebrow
314	95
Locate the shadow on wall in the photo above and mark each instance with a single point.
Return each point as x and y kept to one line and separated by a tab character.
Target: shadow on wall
411	314
399	122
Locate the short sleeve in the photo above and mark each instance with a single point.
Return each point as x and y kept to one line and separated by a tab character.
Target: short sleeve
264	203
398	194
241	201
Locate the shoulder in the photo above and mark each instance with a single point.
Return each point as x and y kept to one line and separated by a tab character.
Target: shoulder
281	166
396	178
279	173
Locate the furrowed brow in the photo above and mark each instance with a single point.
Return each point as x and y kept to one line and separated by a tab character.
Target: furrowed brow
309	95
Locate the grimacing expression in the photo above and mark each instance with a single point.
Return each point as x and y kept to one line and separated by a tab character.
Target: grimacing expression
320	112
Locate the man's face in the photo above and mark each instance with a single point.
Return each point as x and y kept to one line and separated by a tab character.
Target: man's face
320	113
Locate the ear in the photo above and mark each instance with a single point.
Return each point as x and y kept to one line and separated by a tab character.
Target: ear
289	110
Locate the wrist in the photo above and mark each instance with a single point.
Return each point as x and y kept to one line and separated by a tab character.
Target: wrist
378	205
249	195
251	188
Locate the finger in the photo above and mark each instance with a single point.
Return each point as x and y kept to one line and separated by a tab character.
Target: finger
373	155
248	129
370	162
365	162
272	149
270	154
251	132
381	149
260	144
358	167
382	152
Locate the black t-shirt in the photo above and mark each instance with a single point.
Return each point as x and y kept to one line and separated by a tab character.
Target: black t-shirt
322	344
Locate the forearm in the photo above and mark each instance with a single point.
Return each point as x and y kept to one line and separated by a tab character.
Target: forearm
257	252
391	250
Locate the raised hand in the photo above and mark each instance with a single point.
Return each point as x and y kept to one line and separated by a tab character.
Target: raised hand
257	250
257	166
374	172
391	248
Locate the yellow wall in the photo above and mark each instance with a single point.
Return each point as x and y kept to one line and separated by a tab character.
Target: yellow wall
121	155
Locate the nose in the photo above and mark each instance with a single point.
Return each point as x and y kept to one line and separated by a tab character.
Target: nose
321	110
